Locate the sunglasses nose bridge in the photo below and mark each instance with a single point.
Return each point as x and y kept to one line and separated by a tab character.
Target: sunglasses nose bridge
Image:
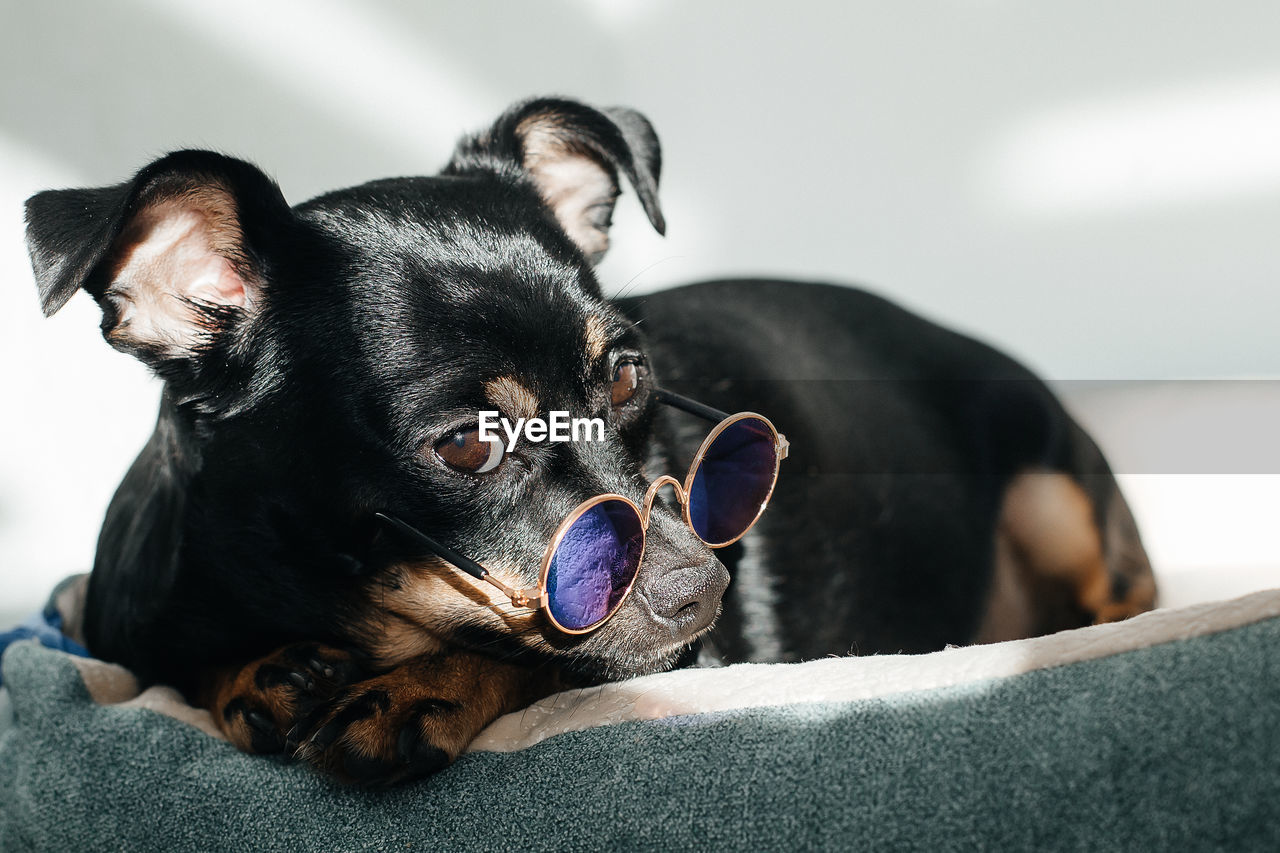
652	494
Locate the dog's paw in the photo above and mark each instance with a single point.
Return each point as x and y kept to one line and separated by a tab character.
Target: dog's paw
261	705
412	721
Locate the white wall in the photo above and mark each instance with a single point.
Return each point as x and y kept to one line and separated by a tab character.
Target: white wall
1094	185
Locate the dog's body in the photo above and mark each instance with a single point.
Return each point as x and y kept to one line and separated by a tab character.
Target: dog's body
328	361
907	441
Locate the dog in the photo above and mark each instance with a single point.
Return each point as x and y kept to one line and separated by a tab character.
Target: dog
327	362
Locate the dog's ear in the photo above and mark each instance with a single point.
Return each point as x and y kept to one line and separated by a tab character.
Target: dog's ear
573	153
173	257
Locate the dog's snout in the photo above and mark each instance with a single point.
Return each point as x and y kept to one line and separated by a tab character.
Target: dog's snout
688	597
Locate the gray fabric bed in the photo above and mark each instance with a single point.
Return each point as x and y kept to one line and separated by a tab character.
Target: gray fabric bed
1144	737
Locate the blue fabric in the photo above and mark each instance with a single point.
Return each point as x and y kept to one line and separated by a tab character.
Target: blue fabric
45	628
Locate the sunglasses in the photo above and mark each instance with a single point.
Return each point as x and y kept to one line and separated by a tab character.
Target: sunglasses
594	556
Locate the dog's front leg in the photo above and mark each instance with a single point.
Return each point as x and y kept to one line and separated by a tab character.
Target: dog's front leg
416	718
260	704
322	705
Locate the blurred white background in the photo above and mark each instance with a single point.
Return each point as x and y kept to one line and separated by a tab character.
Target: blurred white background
1092	185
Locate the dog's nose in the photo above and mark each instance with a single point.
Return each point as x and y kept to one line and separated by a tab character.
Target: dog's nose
688	596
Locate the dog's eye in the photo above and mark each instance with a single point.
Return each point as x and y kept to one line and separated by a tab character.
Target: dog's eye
464	451
626	379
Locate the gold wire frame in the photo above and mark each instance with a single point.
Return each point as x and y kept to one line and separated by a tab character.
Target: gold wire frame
780	449
536	596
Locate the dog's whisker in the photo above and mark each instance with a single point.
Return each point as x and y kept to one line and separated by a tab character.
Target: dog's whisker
622	291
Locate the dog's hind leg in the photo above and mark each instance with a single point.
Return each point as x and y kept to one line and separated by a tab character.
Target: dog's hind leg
1067	554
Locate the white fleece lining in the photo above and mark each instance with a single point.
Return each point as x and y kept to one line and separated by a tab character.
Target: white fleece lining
700	691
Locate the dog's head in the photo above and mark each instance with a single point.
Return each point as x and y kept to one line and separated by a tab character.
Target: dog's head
329	360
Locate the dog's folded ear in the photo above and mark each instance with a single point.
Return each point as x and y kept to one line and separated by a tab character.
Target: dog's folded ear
573	154
173	257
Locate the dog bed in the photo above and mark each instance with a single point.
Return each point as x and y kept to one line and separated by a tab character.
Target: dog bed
1156	733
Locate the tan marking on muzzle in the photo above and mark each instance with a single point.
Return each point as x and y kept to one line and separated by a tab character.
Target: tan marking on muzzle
431	601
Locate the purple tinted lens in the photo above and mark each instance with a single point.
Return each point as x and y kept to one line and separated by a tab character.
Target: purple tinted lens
733	481
594	564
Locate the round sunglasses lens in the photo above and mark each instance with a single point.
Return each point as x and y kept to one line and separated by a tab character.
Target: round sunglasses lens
733	481
594	564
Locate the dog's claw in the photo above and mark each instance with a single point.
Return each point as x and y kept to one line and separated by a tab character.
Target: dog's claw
260	721
324	737
302	681
293	741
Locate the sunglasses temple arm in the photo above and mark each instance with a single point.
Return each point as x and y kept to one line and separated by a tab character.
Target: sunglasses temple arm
466	564
693	407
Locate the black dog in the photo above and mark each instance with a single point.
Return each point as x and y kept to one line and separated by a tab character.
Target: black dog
328	361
